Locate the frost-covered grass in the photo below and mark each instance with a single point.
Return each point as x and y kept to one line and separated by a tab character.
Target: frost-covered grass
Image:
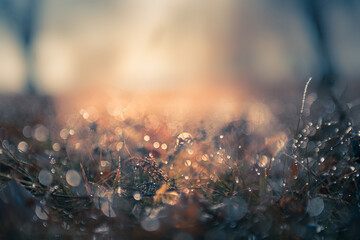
136	179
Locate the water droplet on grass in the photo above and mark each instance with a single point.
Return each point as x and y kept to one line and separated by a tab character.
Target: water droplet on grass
41	212
45	177
156	144
306	131
205	157
64	133
315	206
41	133
102	229
73	178
184	139
56	147
137	196
146	138
150	224
107	209
22	146
27	131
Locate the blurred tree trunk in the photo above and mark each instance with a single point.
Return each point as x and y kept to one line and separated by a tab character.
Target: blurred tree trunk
27	34
315	14
315	11
22	16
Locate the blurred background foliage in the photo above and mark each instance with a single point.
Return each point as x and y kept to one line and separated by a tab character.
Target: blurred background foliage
54	47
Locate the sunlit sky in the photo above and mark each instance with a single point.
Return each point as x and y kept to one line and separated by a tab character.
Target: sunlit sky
161	44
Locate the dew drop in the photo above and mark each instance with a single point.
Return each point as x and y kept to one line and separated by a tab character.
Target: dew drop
56	147
146	138
263	161
205	157
41	212
73	178
137	196
41	133
45	177
184	138
156	144
305	131
22	146
64	133
107	209
315	206
86	115
188	163
102	229
27	131
303	144
150	224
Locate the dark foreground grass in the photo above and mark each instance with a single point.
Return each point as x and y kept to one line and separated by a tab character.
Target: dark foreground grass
97	182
